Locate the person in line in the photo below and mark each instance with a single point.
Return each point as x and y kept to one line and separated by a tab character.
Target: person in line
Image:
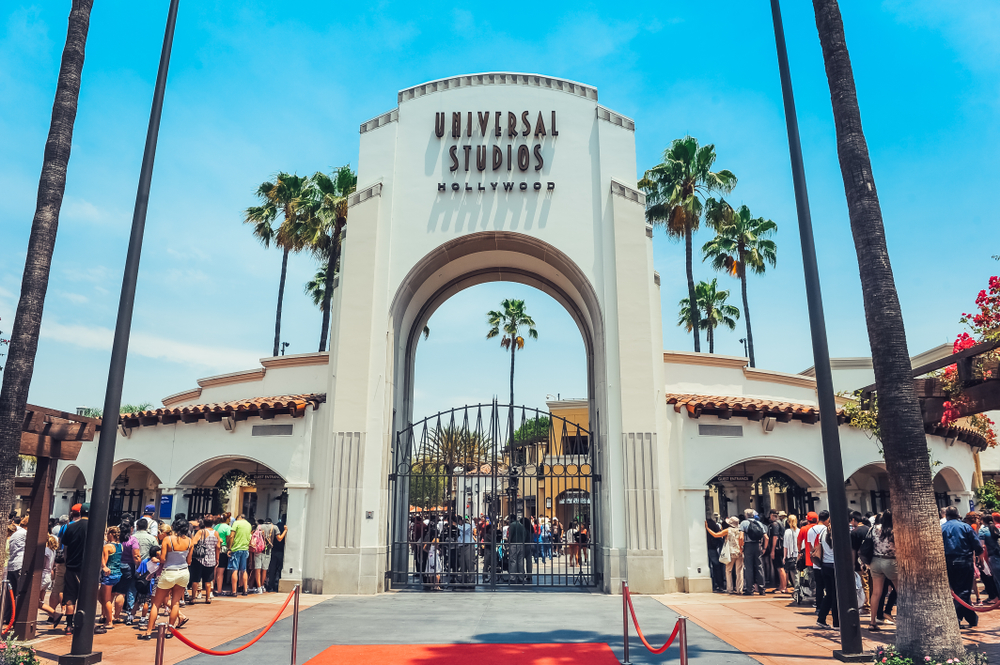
111	573
58	570
573	543
466	558
754	545
517	536
961	546
263	563
805	553
74	542
714	545
174	577
51	545
124	591
16	542
239	551
883	567
222	530
823	552
790	575
145	584
277	556
775	556
583	534
732	549
152	524
435	562
205	549
859	531
989	534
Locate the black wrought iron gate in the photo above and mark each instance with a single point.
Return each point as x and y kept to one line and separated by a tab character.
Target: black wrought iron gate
494	495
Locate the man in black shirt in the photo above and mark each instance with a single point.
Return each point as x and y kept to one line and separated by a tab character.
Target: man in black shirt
716	568
859	530
74	542
775	559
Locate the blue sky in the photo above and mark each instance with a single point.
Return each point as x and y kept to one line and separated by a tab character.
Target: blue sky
259	87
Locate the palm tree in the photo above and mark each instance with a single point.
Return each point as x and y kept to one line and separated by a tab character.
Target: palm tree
712	303
507	325
923	627
741	242
327	218
285	196
20	363
445	450
674	192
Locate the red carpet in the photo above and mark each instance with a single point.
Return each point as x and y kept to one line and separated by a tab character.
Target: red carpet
479	654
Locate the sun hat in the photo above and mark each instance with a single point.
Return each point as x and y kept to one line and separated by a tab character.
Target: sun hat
733	522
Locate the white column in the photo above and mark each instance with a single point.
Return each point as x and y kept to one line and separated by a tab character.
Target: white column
699	573
298	498
822	501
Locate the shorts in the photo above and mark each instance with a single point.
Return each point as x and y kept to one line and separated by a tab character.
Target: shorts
223	560
71	586
883	569
202	574
171	578
111	580
125	583
261	560
46	580
238	560
58	577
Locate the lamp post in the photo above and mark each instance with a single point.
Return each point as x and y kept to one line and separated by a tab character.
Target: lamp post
746	350
81	653
850	623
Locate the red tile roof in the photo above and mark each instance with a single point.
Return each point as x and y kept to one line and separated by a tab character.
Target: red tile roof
264	407
753	408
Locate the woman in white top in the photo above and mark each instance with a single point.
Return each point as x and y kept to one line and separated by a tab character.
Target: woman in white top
791	543
733	548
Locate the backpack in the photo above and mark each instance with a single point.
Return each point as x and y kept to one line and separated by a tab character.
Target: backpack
257	544
755	531
201	549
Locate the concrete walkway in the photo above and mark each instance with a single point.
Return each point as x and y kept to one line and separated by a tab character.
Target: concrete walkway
481	617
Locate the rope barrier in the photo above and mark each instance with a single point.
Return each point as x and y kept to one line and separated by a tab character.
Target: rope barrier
13	611
177	633
975	609
635	622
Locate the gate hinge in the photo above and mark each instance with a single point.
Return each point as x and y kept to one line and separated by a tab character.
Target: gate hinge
597	477
392	477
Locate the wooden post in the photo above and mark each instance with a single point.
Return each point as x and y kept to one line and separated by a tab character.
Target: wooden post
34	549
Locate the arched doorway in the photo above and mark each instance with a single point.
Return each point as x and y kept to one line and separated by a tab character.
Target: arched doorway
947	486
868	489
238	485
70	490
762	483
134	487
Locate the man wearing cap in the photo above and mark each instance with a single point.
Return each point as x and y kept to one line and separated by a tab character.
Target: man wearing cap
152	525
74	543
812	519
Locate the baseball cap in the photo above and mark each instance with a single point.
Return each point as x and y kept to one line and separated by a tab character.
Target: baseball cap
812	517
76	507
149	509
85	508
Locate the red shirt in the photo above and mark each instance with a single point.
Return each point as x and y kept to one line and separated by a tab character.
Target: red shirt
801	540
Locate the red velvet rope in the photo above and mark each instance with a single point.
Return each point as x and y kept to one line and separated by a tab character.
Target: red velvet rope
975	609
635	622
210	652
13	611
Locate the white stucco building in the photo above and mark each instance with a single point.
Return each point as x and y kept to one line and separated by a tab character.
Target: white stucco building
496	177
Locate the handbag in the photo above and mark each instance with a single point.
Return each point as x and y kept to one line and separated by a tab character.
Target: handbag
867	551
726	555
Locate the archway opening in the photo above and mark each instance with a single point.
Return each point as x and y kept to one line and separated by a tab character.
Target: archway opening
868	489
947	484
134	487
763	484
235	485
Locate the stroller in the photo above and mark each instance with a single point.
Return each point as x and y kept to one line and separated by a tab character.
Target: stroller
805	592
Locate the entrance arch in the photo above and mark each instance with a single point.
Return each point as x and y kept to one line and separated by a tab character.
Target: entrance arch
236	484
762	483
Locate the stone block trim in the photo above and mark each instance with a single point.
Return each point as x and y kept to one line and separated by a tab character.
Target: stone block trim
499	78
363	195
615	118
380	121
628	193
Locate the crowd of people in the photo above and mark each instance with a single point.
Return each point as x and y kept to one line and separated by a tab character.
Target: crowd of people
748	557
148	565
515	549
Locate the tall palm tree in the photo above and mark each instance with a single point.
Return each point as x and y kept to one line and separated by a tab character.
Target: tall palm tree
445	450
713	311
20	363
674	192
286	196
926	622
327	218
742	242
506	324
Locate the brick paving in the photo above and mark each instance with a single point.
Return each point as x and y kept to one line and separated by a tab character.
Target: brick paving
775	631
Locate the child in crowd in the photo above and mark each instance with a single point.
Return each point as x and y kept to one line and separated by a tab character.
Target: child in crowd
145	583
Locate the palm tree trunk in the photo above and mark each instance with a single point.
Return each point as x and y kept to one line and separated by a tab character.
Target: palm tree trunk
746	313
691	296
331	266
513	347
711	338
281	297
926	624
41	241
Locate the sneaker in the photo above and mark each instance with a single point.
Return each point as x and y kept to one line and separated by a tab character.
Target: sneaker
259	591
822	626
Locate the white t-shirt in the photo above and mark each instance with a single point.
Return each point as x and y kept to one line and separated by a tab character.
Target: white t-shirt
50	557
813	535
791	543
153	528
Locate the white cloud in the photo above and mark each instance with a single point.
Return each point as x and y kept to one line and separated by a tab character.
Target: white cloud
76	298
153	346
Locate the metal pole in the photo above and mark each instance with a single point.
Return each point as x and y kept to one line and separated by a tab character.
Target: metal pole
161	640
3	604
83	631
684	639
625	620
850	623
295	623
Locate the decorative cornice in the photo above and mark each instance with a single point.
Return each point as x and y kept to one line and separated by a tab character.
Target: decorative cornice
656	278
628	193
615	118
380	121
296	360
841	363
363	195
706	359
498	78
245	376
183	396
567	403
770	376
